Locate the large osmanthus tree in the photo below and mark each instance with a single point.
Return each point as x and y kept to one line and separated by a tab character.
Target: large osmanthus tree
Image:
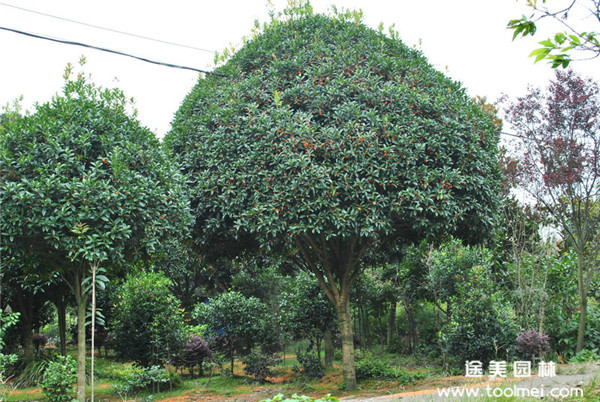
84	185
559	166
332	139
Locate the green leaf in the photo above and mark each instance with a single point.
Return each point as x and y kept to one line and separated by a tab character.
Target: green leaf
540	54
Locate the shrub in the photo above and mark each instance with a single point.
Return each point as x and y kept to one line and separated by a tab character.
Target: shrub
532	343
59	379
585	356
310	365
259	365
140	379
379	369
369	368
235	322
148	323
194	353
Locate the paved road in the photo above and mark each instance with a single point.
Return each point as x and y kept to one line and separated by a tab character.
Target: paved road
562	385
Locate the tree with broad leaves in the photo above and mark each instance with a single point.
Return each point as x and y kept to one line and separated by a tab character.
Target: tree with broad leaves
560	166
329	141
81	161
558	49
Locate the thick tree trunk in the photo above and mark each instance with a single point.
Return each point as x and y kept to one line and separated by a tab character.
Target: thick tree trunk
25	306
345	323
391	329
328	343
27	340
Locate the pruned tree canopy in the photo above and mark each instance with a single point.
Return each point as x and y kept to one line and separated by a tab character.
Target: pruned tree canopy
327	128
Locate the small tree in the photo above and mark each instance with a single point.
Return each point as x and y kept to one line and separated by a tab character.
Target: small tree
237	322
305	311
560	166
81	160
194	353
481	324
148	323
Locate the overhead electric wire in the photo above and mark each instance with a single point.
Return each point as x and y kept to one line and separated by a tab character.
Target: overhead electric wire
67	42
108	29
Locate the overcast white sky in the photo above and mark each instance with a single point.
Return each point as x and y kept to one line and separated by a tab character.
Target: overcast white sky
465	38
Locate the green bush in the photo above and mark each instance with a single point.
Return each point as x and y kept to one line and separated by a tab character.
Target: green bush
59	379
585	356
310	365
145	378
148	323
259	366
381	370
235	323
482	323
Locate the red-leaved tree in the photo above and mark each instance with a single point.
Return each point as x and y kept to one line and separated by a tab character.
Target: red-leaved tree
559	166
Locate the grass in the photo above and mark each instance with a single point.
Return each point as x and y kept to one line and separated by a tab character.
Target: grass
286	381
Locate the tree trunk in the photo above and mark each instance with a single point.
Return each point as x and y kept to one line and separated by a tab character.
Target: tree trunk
25	306
318	342
345	322
27	340
581	284
363	342
232	357
391	329
80	299
61	308
328	338
412	328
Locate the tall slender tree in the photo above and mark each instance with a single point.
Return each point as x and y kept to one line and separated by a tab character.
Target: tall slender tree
560	166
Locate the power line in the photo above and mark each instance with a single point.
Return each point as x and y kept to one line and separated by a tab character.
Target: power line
67	42
108	29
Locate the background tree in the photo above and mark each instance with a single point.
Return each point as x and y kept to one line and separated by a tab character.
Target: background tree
480	323
81	159
235	322
305	311
575	38
332	139
560	166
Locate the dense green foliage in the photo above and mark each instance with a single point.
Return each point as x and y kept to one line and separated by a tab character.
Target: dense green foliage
334	139
326	110
305	311
481	321
80	159
82	183
235	322
59	379
259	366
148	323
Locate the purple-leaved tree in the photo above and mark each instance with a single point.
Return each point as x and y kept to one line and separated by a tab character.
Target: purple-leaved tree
559	166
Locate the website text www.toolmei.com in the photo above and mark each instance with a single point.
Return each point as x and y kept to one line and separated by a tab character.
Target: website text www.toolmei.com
514	391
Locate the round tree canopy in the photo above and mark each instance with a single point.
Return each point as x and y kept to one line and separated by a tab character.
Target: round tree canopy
80	161
325	127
